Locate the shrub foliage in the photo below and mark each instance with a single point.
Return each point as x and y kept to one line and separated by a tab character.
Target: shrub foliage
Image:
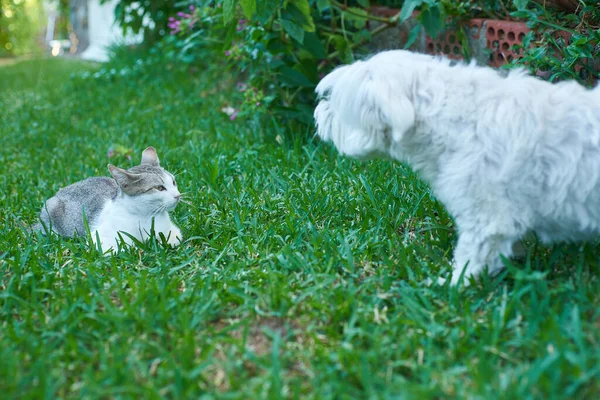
281	48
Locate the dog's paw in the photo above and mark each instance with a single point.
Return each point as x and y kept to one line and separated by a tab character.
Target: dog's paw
437	281
454	281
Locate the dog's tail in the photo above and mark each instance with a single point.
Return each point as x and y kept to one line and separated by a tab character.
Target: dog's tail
362	109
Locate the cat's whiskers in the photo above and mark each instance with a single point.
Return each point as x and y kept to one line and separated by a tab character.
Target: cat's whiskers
157	211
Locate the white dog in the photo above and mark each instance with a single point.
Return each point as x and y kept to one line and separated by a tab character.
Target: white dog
506	155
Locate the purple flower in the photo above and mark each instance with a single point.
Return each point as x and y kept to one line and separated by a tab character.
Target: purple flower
175	28
183	15
257	103
241	24
227	53
192	8
235	113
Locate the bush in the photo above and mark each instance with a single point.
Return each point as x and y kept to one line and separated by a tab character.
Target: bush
148	17
282	48
561	45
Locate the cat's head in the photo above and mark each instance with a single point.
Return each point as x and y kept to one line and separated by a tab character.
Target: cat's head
154	189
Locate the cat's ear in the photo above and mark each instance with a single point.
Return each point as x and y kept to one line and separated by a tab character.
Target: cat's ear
121	176
150	157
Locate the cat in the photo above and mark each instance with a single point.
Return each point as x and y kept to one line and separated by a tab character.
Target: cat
134	201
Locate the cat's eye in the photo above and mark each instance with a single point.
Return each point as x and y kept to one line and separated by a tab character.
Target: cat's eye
174	183
161	188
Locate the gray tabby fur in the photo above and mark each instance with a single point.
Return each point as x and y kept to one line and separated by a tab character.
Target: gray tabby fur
63	212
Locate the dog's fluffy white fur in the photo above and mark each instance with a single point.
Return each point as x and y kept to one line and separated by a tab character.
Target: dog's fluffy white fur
506	155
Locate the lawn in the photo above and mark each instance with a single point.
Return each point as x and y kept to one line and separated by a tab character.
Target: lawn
302	275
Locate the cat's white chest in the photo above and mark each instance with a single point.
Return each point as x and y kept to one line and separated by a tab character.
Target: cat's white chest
117	218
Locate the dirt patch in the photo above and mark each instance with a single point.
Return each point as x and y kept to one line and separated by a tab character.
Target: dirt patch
258	337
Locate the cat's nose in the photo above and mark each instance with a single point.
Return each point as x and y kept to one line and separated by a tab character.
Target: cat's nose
178	196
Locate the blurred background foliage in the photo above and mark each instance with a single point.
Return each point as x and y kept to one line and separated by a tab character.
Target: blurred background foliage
21	24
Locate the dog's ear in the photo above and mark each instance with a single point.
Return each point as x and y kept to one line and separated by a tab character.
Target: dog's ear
386	106
362	111
328	82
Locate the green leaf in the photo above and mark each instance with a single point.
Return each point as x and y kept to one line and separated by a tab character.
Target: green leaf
408	7
248	7
412	36
358	16
313	45
431	18
293	77
264	11
301	11
364	3
119	11
308	68
363	35
228	8
322	5
357	13
520	4
294	30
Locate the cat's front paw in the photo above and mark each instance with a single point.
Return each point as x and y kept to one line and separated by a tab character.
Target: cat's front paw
175	237
108	245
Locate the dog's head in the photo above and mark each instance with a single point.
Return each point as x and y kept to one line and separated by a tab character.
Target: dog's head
361	113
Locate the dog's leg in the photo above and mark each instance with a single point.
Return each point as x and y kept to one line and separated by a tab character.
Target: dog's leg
474	252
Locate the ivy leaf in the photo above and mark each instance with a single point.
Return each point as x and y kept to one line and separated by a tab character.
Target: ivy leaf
294	30
248	7
408	7
364	3
228	7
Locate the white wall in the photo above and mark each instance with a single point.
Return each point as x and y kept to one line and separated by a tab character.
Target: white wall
103	31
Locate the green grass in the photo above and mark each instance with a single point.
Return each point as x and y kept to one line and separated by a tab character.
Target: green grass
302	276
